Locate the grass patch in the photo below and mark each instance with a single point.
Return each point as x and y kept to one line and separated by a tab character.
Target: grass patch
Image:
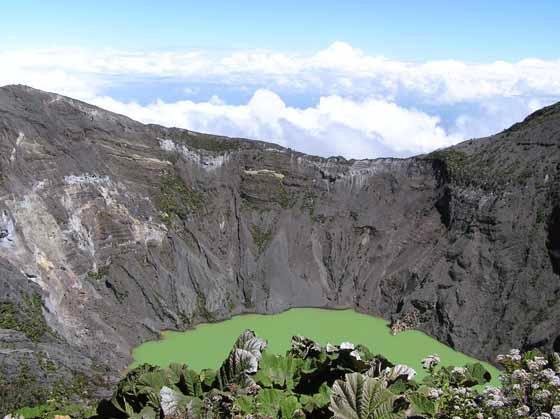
22	390
99	274
28	318
53	408
455	161
177	199
261	237
206	142
284	197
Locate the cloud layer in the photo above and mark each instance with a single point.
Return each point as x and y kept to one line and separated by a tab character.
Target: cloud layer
335	126
338	101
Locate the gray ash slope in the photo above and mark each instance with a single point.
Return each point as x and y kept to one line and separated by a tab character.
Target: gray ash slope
111	230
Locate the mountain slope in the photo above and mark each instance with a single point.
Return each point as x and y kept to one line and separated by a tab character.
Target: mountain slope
124	229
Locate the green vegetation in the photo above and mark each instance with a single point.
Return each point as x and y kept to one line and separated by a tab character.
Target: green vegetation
206	142
276	193
8	316
11	394
539	219
98	275
177	199
266	188
488	169
261	236
45	363
284	197
248	204
343	381
26	318
455	162
59	397
54	408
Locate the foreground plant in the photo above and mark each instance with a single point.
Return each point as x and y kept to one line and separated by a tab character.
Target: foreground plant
343	381
361	397
530	386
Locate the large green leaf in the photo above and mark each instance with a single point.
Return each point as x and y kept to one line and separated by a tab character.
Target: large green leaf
193	383
361	397
242	362
244	405
122	405
278	371
316	401
268	402
207	378
477	374
422	405
176	371
194	409
289	407
303	347
140	388
364	353
188	381
147	412
277	403
248	341
238	368
150	384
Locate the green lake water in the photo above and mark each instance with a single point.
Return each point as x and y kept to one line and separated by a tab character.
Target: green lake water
207	345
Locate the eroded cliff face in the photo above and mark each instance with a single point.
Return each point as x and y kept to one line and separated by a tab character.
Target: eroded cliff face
123	229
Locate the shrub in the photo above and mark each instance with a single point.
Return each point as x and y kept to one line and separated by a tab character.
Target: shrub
345	381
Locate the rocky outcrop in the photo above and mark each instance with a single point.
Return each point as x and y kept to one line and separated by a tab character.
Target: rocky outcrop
123	229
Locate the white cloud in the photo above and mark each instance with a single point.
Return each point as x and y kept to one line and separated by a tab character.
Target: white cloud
335	126
356	104
338	69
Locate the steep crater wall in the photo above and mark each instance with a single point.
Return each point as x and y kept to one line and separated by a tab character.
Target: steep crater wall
124	229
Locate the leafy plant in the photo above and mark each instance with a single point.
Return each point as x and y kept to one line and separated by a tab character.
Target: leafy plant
278	371
362	397
343	381
316	405
243	361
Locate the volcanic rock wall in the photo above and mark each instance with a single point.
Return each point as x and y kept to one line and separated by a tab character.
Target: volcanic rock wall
111	231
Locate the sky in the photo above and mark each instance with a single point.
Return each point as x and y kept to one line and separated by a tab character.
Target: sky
361	79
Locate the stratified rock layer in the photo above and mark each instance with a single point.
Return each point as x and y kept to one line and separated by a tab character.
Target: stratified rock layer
125	229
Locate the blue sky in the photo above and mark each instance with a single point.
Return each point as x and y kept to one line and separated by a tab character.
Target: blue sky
472	30
352	78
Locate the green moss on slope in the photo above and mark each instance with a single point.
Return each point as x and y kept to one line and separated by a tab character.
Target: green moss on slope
27	318
177	199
